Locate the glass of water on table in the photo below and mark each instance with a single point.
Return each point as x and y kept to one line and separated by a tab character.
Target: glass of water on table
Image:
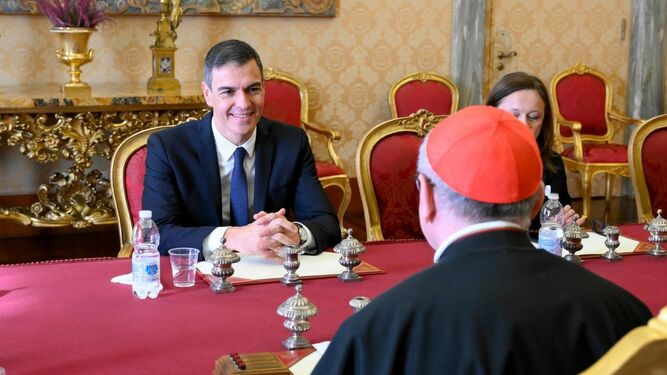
183	264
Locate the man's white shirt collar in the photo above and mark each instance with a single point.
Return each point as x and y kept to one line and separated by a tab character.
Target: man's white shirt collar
479	227
227	148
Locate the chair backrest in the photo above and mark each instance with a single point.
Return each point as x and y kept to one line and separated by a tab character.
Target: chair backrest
648	170
285	98
641	351
582	94
386	165
128	166
423	90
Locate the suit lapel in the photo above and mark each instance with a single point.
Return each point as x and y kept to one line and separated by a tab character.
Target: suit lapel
208	159
263	152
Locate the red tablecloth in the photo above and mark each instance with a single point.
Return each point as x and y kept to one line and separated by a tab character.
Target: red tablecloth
69	318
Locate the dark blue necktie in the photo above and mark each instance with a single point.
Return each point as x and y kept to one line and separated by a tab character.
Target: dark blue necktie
238	191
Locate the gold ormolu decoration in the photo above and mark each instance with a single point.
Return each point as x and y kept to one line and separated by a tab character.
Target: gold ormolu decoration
74	52
164	49
77	197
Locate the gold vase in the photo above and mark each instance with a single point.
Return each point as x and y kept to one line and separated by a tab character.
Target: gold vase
74	52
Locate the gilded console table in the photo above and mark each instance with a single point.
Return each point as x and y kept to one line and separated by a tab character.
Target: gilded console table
45	127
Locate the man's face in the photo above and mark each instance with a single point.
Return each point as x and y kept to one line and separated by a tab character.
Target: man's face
237	98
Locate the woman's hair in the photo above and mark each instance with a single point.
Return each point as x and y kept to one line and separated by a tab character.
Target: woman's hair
518	81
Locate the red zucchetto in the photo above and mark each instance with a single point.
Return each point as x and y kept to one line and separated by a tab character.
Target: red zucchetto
485	154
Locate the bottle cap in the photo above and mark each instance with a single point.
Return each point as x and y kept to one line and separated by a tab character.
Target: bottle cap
145	214
549	194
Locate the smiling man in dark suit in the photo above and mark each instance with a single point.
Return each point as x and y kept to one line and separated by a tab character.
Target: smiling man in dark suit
234	173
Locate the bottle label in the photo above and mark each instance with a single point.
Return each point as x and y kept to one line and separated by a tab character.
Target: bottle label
145	273
151	270
549	244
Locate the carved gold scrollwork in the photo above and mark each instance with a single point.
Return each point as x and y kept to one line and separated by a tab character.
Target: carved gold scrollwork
580	68
74	198
421	121
77	197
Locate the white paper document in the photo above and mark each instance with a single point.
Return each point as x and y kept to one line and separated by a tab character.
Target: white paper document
594	244
307	364
257	268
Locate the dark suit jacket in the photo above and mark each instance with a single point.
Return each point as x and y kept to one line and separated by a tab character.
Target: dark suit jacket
493	304
182	182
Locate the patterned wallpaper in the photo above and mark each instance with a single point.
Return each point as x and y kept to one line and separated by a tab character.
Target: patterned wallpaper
550	36
348	62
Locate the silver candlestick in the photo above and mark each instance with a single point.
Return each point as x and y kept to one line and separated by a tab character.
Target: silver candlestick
297	309
658	234
222	259
349	249
359	302
572	236
611	242
291	264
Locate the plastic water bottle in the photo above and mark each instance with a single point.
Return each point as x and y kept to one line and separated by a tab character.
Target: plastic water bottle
551	217
145	258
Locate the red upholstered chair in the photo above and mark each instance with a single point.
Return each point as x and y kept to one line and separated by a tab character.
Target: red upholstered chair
128	166
648	170
585	126
286	100
386	168
430	91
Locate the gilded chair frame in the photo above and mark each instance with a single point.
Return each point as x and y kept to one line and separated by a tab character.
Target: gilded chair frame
119	161
419	123
341	181
640	351
635	147
423	77
588	170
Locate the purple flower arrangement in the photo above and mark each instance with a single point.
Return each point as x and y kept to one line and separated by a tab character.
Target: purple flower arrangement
72	13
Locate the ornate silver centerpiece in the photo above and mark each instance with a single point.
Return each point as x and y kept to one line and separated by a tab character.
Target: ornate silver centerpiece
572	236
222	259
611	242
297	309
359	302
658	234
291	264
349	249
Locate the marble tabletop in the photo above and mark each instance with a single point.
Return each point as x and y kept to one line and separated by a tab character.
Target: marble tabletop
50	97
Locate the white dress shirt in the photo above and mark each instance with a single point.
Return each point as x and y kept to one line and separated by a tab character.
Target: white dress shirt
225	151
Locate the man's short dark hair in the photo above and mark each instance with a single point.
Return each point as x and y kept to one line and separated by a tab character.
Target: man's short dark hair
229	51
